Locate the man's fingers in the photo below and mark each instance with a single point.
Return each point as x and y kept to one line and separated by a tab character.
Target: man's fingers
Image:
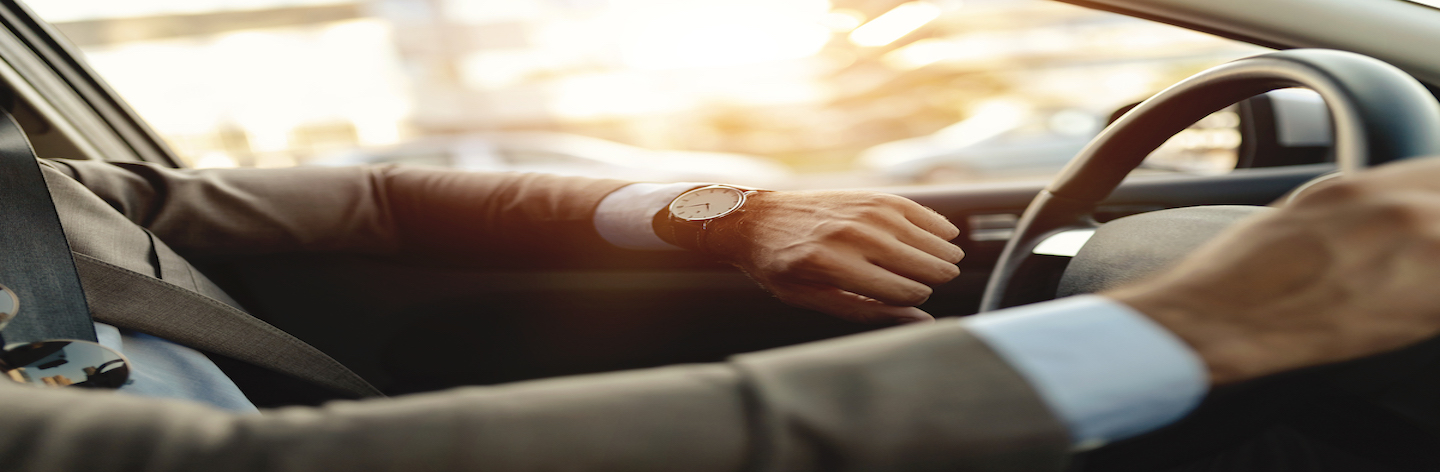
913	263
857	275
928	231
884	249
896	227
870	254
930	243
849	306
929	220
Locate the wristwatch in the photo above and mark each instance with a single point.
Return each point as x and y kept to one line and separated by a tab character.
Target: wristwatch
685	221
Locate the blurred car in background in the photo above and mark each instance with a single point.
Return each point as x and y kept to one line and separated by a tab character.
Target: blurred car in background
1000	139
567	154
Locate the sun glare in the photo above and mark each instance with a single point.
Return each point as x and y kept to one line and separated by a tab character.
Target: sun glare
675	35
815	84
895	24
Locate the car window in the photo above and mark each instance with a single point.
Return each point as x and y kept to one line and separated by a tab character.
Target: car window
778	93
438	159
538	156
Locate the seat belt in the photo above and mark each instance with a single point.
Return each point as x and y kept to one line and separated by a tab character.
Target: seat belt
123	297
35	258
36	263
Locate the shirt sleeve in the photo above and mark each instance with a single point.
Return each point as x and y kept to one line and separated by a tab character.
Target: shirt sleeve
1106	370
625	216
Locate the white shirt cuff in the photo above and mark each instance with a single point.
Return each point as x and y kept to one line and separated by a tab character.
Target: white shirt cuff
1106	370
625	217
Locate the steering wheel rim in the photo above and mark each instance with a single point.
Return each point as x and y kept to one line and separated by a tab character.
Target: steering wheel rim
1380	114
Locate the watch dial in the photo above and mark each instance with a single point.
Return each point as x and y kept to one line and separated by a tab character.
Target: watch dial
705	203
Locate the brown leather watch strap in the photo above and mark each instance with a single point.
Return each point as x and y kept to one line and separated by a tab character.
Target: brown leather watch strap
665	229
690	234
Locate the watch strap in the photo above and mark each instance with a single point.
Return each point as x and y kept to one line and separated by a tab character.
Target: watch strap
664	229
689	234
685	234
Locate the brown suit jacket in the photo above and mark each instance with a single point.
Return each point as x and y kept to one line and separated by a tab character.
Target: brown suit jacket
913	398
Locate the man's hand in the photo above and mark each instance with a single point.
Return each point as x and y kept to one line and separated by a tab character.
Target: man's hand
1346	271
862	256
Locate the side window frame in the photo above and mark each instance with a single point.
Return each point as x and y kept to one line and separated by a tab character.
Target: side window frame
49	75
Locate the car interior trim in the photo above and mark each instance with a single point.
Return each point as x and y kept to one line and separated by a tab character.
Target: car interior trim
1305	24
25	92
53	66
1064	243
70	107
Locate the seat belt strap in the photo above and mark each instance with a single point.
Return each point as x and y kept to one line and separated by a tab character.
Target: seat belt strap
132	300
35	258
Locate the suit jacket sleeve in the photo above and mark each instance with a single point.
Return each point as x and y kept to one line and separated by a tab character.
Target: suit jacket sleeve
912	398
379	210
917	398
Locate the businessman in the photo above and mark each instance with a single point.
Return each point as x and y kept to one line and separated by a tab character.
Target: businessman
1339	274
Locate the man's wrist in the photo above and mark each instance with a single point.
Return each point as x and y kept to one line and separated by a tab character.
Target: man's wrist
1225	350
665	229
1106	370
695	235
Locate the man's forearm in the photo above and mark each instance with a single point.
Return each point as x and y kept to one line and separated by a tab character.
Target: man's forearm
452	214
377	210
916	398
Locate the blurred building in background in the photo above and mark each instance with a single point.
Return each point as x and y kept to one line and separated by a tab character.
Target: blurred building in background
808	84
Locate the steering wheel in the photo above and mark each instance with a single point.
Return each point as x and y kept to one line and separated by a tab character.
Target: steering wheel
1380	114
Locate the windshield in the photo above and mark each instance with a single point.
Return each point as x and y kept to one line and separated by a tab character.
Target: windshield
774	93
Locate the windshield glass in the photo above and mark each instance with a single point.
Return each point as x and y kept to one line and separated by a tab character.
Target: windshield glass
775	93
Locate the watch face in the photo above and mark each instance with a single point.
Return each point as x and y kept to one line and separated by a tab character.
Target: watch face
707	202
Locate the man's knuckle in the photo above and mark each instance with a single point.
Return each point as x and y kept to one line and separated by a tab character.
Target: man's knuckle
871	209
807	258
1402	214
841	230
1339	190
893	201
